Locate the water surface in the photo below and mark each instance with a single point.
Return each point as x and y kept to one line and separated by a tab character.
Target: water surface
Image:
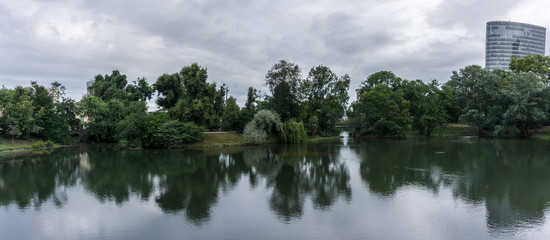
443	188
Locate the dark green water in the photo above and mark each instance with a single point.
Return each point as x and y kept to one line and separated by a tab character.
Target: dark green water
450	188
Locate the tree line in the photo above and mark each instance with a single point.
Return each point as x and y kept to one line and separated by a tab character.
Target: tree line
497	102
115	111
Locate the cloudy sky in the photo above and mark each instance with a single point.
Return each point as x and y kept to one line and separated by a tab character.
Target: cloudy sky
71	41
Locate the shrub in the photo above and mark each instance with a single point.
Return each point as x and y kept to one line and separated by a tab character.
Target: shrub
173	134
192	133
253	134
293	132
256	131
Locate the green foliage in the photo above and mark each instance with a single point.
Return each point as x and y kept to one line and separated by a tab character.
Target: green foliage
284	71
537	64
104	117
382	77
427	109
386	112
42	144
109	86
192	133
283	102
312	125
189	98
256	131
284	81
173	134
231	114
477	92
140	90
326	97
170	90
293	132
132	129
253	134
529	103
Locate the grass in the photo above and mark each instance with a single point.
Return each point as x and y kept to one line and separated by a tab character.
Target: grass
455	130
542	133
219	139
322	139
6	144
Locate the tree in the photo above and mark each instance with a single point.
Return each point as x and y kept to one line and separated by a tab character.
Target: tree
139	90
293	132
173	134
529	99
326	96
284	81
109	86
283	102
17	114
477	92
427	109
104	118
386	112
231	114
250	107
133	128
170	90
382	77
263	123
284	71
196	101
537	64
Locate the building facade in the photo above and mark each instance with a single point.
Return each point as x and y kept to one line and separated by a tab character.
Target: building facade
507	39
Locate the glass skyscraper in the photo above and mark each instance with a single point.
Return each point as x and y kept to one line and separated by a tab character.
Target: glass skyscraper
507	39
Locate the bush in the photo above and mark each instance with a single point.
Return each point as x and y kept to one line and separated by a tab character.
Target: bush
173	134
256	131
42	144
293	132
192	133
253	134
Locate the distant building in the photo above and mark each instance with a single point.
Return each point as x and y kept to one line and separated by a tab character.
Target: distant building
507	39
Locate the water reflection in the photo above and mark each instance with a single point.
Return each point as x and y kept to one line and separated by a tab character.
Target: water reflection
296	172
509	176
179	180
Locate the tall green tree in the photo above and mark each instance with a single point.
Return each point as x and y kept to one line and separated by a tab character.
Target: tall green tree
285	83
140	90
231	114
250	107
537	64
387	78
170	90
109	87
284	71
386	112
326	96
477	92
529	103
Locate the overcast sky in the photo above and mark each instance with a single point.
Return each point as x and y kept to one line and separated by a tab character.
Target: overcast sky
71	41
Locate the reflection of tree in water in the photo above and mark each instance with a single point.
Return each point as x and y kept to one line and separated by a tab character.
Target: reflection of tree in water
186	180
33	182
180	180
509	176
298	171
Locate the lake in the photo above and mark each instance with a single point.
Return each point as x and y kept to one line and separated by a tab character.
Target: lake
441	188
